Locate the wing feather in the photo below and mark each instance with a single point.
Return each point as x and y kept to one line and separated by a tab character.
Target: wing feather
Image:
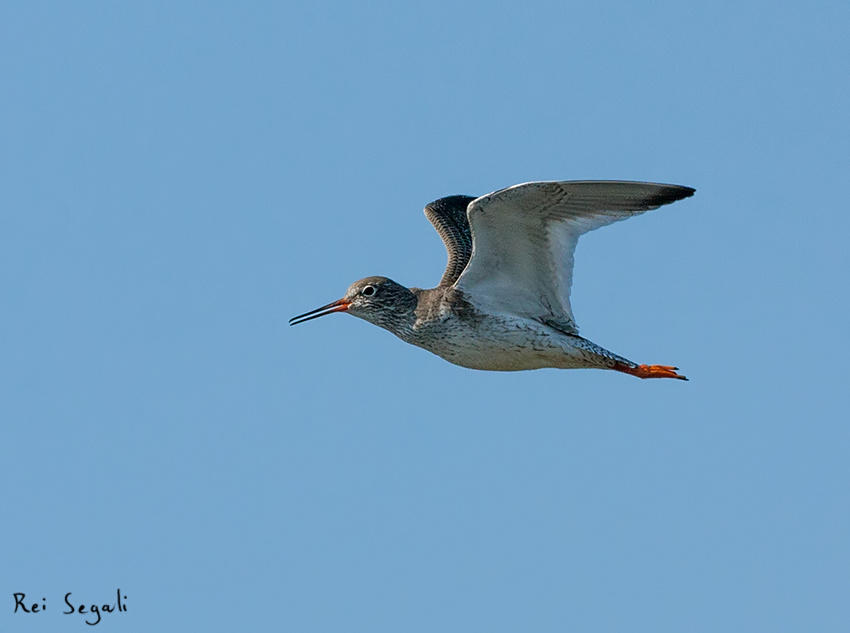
448	215
524	239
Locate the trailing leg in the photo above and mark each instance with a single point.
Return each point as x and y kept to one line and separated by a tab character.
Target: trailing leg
649	371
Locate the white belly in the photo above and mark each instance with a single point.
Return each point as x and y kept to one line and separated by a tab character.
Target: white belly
500	344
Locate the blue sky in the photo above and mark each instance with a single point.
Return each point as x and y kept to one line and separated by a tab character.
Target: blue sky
179	180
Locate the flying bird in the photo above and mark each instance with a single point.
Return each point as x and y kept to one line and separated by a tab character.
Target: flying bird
503	303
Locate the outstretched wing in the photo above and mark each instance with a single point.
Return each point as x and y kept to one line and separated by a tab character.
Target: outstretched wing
448	215
524	240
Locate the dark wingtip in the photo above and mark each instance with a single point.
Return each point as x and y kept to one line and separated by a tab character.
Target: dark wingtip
679	192
451	204
672	193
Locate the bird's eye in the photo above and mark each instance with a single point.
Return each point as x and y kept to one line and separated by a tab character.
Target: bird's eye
368	291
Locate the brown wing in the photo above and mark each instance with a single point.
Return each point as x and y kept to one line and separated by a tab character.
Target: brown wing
448	215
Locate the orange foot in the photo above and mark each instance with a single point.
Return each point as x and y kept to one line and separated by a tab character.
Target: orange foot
650	371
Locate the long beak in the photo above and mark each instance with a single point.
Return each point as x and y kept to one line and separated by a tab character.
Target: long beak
337	306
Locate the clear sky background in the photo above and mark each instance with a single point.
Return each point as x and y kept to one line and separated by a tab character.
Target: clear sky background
180	179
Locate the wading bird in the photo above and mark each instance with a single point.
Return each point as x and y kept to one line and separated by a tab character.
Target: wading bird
503	303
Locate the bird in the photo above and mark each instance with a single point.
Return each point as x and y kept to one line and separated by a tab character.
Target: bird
503	303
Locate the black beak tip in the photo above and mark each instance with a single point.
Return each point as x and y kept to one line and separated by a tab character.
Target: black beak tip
336	306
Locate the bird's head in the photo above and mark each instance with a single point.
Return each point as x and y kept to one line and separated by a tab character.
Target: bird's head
375	299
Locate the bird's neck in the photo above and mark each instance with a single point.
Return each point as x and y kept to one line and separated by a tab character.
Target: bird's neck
401	316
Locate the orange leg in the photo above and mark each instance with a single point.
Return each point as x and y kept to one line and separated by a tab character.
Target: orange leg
650	371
